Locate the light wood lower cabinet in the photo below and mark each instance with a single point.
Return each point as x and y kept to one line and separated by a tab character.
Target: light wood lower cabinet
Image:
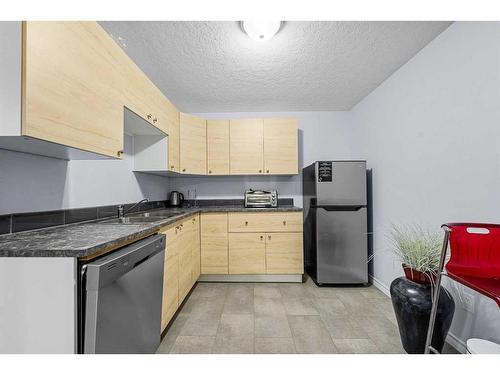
247	253
170	289
214	244
195	249
170	275
207	244
182	264
185	260
284	253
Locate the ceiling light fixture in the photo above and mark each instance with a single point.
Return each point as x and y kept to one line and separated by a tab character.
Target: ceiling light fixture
261	30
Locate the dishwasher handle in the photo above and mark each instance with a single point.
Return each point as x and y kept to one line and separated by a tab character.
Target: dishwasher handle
107	269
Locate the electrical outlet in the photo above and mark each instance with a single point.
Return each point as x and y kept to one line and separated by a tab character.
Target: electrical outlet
468	302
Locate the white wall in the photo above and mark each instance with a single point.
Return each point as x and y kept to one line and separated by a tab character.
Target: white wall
37	183
322	136
431	133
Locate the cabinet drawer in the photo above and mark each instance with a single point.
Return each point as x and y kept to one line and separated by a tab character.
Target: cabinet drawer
284	253
265	222
247	253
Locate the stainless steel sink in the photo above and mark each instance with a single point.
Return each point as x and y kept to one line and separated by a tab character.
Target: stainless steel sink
159	214
132	220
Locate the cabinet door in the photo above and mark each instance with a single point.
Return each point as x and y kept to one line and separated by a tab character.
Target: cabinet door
218	147
142	97
280	146
214	244
171	275
247	253
173	238
185	259
246	146
170	289
195	250
73	86
173	143
193	144
284	253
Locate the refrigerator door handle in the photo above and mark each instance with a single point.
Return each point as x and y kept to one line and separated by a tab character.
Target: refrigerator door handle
340	208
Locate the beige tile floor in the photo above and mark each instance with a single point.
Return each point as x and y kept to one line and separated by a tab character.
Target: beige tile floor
283	318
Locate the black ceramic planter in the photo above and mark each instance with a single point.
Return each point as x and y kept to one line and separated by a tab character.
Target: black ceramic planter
412	304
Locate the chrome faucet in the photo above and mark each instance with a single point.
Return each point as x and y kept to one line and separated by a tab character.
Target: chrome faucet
121	208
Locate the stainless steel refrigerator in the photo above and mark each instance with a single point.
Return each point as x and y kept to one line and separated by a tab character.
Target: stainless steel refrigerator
336	222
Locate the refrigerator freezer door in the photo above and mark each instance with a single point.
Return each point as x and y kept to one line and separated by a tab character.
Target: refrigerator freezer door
341	183
342	246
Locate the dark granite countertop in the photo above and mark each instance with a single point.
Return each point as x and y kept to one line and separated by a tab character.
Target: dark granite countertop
85	239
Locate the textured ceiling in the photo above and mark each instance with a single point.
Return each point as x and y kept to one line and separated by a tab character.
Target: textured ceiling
307	66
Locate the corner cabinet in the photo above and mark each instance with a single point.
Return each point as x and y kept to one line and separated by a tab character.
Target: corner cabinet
193	144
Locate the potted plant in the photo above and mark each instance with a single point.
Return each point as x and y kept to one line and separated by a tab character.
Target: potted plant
419	252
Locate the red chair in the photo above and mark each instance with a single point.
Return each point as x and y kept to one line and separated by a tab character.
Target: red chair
474	262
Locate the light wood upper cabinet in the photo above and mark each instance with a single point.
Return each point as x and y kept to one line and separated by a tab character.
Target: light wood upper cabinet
246	146
214	243
280	146
72	86
247	253
218	147
193	144
284	253
173	145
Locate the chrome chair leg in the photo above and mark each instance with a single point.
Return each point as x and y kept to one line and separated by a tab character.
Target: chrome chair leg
435	299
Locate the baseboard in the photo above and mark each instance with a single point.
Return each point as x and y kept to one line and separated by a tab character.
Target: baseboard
294	278
451	339
379	285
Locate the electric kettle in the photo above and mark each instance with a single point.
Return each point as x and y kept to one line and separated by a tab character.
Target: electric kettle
176	198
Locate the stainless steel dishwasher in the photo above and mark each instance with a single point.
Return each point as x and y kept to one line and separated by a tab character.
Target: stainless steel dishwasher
121	299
